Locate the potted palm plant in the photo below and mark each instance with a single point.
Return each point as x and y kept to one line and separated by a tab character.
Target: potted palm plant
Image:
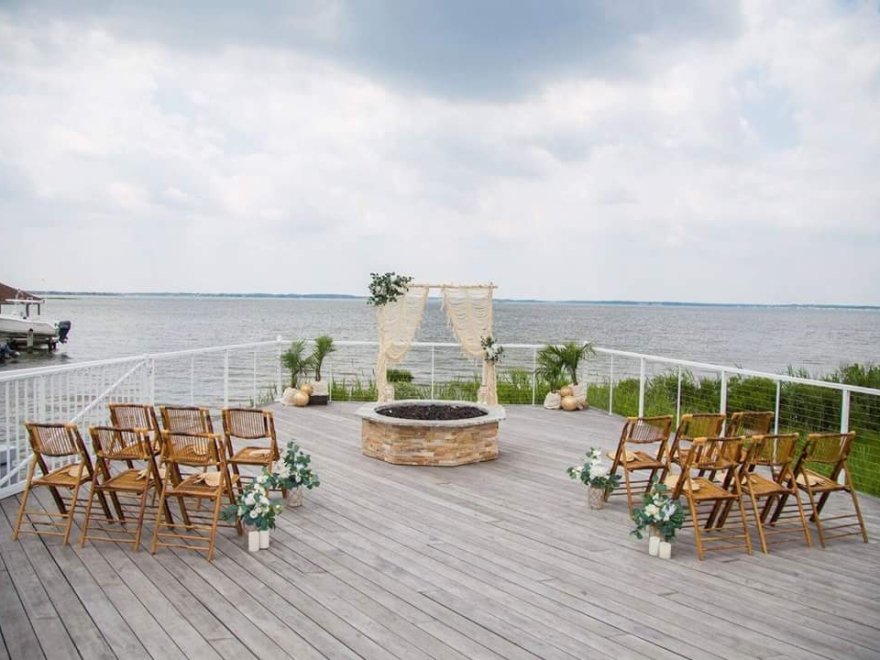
557	363
297	363
320	394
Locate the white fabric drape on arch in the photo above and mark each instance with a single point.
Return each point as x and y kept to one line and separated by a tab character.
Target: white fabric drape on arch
469	310
397	323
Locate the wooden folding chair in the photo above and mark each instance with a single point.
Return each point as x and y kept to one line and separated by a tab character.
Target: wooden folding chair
822	465
639	435
767	476
694	425
710	503
748	423
136	416
250	424
50	443
204	452
113	445
186	419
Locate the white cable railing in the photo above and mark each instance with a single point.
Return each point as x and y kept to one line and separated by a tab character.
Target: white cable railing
622	382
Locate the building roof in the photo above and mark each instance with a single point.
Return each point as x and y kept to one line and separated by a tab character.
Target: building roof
11	293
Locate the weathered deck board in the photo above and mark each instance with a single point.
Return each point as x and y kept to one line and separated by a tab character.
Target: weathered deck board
501	559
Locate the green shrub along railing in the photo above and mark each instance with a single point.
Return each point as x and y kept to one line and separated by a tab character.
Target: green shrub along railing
803	408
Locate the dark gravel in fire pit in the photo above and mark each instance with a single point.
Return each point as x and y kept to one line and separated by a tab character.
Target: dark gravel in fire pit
431	412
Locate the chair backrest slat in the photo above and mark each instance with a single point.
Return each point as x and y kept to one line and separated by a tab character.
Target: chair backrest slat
750	423
54	439
186	419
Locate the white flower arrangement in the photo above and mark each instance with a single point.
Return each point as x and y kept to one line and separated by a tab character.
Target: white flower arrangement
294	470
594	472
254	506
660	512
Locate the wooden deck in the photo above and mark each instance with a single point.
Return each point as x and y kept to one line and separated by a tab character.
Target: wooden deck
496	560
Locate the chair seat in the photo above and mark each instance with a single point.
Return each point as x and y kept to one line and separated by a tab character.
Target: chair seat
63	476
253	456
639	460
818	482
196	485
129	481
709	490
761	486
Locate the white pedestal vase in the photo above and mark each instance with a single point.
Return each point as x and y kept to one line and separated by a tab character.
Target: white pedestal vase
294	497
665	550
264	539
253	541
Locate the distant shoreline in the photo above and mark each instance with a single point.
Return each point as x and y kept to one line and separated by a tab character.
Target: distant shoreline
345	296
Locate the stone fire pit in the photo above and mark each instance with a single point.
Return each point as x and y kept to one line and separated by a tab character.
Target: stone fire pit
397	432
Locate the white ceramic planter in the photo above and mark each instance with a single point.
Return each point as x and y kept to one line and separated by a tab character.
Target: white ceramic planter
253	541
264	539
596	497
653	545
294	497
665	550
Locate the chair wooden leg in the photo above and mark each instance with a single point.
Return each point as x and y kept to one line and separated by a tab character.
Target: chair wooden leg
159	514
855	500
136	544
71	513
745	522
800	507
84	535
24	498
698	540
213	540
758	522
815	517
629	499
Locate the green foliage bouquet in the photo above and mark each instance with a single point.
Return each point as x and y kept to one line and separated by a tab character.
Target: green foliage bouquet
658	511
492	351
254	506
594	472
294	470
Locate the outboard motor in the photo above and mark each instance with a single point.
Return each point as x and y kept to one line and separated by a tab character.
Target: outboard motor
7	352
63	330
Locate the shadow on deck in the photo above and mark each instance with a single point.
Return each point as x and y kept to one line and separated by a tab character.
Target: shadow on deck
500	559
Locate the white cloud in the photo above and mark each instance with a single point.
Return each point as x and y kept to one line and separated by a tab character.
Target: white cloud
734	169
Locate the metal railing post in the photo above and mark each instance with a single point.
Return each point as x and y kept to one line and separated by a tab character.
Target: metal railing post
225	379
844	412
678	401
192	380
641	387
254	380
278	380
152	377
723	403
432	371
776	410
611	387
534	374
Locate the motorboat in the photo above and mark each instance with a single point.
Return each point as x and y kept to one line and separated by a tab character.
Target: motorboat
19	327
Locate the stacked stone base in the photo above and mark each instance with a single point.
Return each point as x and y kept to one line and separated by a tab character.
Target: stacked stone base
429	445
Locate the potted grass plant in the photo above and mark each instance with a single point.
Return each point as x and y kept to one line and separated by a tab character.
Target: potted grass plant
293	473
320	394
661	516
594	474
254	509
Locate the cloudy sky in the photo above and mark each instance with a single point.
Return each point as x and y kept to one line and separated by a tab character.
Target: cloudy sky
687	150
